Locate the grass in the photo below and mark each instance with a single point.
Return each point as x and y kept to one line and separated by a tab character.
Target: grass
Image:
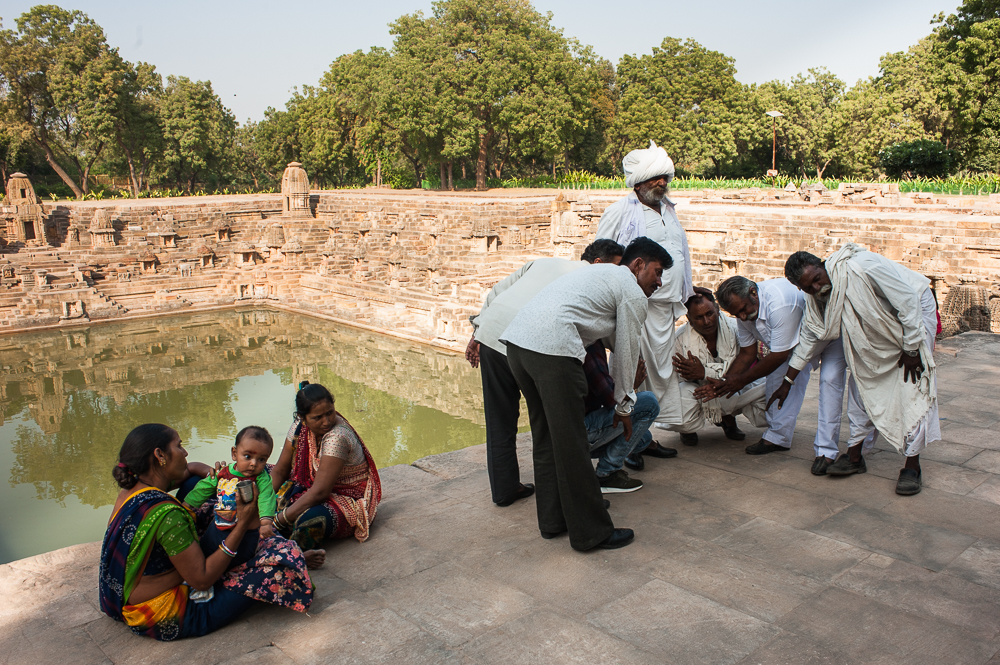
958	184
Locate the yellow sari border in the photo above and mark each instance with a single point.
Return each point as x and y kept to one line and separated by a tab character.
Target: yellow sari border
168	605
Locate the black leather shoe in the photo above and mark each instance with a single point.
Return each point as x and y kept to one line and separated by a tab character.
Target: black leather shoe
820	465
690	439
732	431
549	535
526	490
607	504
618	538
635	462
656	450
845	467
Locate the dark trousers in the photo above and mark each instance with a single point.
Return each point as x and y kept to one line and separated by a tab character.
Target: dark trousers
567	492
224	608
501	401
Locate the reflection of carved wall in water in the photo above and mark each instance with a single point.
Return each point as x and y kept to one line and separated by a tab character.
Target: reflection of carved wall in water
117	360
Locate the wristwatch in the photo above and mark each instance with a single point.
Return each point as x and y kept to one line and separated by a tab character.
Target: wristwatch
913	354
624	410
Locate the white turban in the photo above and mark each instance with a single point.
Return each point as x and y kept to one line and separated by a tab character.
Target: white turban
641	165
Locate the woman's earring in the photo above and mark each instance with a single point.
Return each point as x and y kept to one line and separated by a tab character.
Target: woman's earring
163	462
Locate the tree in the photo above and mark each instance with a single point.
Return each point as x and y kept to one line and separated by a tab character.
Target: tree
198	132
917	158
117	101
683	96
978	54
276	140
505	79
14	141
808	129
40	67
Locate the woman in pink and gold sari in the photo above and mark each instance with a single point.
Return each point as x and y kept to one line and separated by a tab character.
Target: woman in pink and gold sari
325	479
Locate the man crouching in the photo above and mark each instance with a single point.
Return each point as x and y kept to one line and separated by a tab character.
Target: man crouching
706	347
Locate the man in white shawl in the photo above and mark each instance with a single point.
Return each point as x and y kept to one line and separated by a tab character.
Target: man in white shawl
885	315
647	211
706	347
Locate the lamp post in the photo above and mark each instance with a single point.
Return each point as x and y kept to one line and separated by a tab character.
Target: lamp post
774	141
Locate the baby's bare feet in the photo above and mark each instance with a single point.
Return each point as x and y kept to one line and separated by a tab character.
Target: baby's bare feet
314	558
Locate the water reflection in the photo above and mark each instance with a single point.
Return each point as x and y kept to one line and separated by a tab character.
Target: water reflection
68	398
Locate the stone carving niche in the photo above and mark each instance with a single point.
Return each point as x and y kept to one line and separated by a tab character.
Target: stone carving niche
22	212
295	192
102	229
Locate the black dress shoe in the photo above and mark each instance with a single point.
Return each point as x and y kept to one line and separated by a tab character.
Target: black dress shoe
656	450
845	467
635	462
732	432
618	538
607	504
689	438
549	535
526	490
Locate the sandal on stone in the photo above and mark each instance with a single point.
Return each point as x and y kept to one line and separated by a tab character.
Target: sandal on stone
909	482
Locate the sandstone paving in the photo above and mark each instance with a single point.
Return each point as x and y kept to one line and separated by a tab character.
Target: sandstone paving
737	559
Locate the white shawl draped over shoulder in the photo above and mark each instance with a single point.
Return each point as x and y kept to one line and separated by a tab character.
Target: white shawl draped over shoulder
726	346
873	341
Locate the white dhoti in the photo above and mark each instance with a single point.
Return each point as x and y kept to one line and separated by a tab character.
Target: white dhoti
929	427
878	308
750	402
657	345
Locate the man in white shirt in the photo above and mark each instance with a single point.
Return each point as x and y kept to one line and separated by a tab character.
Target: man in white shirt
768	312
885	315
647	211
501	396
546	345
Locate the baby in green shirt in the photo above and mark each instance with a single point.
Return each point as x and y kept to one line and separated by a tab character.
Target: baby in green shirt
253	447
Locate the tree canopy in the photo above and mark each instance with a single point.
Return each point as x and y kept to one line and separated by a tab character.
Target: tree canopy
483	90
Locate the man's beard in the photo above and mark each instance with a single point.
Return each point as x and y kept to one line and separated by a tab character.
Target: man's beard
753	317
652	195
824	293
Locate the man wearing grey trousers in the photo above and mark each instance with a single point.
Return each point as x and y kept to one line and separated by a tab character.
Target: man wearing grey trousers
546	345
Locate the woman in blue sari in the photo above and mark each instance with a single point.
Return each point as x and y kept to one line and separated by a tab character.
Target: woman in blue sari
151	561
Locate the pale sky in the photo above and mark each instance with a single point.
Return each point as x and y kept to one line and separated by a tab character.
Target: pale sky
255	52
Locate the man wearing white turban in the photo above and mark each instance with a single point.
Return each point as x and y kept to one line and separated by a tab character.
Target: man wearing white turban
647	211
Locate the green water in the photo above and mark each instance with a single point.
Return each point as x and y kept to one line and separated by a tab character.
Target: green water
68	398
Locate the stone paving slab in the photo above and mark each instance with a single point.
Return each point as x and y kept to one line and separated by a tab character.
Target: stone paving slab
737	559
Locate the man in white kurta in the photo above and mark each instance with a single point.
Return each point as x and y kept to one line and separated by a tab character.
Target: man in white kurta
885	315
706	347
647	211
768	312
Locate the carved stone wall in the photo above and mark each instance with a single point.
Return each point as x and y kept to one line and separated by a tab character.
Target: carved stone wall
417	264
